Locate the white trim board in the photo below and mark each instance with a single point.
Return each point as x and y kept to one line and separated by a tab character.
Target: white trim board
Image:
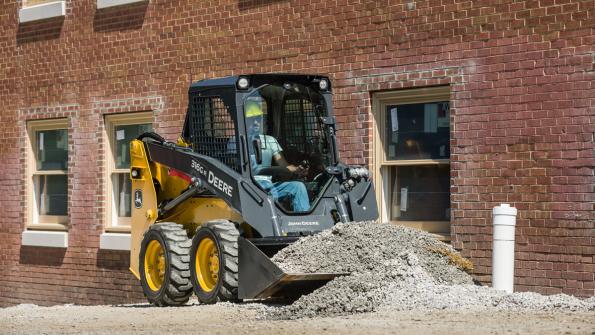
113	3
114	241
42	11
52	239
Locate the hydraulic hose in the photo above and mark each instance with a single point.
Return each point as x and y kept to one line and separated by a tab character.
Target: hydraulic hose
151	135
342	208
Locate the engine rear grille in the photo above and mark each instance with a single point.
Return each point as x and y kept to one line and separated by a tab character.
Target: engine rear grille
212	130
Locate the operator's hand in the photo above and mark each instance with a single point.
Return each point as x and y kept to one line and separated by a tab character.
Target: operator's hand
298	170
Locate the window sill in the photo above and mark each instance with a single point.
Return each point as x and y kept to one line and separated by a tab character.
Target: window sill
48	226
114	241
42	11
118	229
52	239
439	229
113	3
442	237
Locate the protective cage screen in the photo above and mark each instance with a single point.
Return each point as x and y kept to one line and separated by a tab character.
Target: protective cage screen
212	130
300	127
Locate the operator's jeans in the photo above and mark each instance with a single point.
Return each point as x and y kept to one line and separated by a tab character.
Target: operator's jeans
295	190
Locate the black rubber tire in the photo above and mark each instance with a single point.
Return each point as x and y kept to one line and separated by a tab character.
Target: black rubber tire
225	234
176	288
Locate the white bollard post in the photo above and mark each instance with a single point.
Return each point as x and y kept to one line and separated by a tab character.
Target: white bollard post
503	250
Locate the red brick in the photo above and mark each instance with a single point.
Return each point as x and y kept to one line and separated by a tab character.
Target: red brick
521	79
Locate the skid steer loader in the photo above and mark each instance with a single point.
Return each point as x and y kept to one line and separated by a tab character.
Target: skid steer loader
255	168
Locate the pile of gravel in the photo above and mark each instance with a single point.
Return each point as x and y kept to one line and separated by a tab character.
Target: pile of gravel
394	268
367	247
473	297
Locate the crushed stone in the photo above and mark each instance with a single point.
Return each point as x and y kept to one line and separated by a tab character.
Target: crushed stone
367	246
395	268
23	306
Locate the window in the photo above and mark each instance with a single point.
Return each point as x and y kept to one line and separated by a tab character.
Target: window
121	129
411	157
49	173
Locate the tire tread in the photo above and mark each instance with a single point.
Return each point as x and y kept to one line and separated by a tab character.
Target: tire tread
227	234
178	288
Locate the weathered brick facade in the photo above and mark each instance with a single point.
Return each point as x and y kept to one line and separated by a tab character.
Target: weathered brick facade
521	75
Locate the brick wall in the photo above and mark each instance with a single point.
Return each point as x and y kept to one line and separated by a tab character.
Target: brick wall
522	105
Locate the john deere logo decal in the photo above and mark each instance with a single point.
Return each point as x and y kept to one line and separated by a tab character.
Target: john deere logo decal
138	198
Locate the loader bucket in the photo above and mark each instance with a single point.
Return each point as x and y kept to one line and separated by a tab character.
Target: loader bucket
261	278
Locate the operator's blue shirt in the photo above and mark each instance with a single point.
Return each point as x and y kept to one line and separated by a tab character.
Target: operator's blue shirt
270	148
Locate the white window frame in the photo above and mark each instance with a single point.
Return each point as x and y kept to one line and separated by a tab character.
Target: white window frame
41	10
36	221
101	4
113	223
381	165
31	3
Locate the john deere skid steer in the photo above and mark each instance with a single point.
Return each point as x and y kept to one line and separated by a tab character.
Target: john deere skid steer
255	168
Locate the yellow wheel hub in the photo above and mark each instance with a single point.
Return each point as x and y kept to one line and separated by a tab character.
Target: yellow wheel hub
154	265
207	264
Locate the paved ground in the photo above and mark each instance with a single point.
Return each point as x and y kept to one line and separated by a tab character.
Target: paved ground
244	319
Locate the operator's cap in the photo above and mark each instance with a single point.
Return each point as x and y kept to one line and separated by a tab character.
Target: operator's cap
253	107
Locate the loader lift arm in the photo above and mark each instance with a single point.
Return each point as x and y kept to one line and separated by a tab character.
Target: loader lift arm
223	182
215	177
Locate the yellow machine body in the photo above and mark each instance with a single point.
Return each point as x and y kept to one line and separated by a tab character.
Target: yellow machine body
156	183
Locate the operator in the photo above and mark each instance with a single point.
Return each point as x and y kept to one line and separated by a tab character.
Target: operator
273	153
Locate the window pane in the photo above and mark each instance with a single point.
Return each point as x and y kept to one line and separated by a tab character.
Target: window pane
122	185
420	193
51	193
418	131
123	135
51	149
